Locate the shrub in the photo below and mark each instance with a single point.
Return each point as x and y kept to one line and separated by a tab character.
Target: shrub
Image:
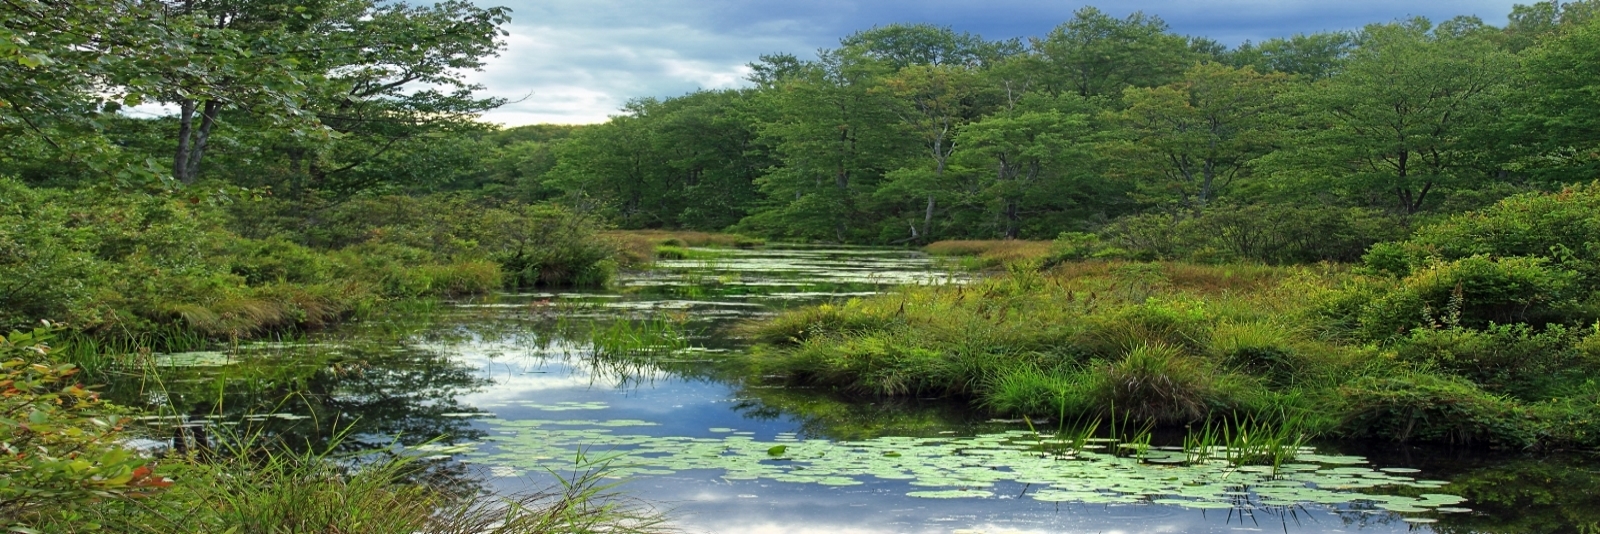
668	252
1475	291
60	445
1030	391
1416	406
992	253
278	260
1269	233
880	364
1514	359
1181	324
1563	227
539	246
797	326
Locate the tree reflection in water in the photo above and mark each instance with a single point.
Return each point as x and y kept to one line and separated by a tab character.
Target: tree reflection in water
354	396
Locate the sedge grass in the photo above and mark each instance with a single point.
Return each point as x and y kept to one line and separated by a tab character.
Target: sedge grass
251	487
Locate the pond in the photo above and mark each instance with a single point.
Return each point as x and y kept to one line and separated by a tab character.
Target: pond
504	391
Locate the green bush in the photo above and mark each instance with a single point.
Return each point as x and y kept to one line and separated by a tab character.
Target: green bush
1563	227
1259	349
60	445
1030	391
794	327
279	260
1418	406
1475	292
1513	359
668	252
535	245
128	264
1178	323
875	364
1269	233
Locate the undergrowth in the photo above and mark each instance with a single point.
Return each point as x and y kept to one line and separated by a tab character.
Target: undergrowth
1464	334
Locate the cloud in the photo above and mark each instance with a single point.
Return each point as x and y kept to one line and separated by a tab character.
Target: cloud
579	61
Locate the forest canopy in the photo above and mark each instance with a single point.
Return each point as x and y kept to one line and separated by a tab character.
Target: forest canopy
906	133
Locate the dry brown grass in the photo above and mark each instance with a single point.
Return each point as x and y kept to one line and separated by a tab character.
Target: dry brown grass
992	253
1212	279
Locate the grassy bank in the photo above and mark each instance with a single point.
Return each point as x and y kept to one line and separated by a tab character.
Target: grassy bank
1478	329
158	270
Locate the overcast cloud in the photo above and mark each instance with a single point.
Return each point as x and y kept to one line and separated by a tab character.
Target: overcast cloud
578	61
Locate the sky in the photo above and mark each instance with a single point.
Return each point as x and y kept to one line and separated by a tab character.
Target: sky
579	61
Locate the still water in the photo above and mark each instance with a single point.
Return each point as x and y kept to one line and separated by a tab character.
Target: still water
503	391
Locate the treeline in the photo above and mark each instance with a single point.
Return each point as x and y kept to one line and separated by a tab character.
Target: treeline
914	133
1164	145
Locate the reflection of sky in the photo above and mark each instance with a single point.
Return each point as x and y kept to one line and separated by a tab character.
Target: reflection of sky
577	61
704	502
699	502
529	378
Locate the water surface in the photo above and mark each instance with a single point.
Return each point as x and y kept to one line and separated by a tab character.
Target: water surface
503	391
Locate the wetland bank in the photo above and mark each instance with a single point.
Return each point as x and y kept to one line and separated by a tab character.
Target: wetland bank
1111	278
652	381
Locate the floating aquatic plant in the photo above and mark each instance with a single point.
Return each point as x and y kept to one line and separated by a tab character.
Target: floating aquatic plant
1095	471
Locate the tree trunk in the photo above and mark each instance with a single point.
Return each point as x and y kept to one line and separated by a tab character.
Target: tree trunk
1012	219
180	159
192	141
208	120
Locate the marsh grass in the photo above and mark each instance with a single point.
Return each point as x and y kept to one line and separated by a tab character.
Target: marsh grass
655	335
640	247
250	486
1179	344
98	355
1172	344
986	254
1248	441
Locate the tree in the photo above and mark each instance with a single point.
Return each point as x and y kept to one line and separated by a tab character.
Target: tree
390	74
1034	153
1189	140
1097	55
1555	125
905	45
1392	123
933	71
615	167
1527	25
940	100
1314	57
66	68
710	141
833	137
